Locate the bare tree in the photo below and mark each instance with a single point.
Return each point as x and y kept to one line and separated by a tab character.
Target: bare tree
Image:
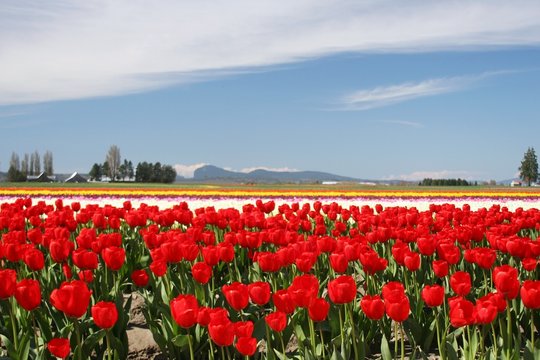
14	162
25	164
36	162
48	163
113	159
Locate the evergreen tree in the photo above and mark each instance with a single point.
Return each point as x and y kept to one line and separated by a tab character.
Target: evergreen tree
95	173
528	171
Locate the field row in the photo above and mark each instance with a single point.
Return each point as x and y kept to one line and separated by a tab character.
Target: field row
266	280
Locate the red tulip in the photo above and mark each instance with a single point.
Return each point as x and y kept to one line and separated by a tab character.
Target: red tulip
86	275
158	268
203	316
372	306
59	347
497	300
60	250
506	281
210	255
283	301
461	312
342	290
460	282
529	264
72	298
202	272
397	308
530	294
237	295
393	289
114	257
247	346
226	252
184	310
140	277
84	259
305	261
28	294
372	263
243	328
318	310
485	257
426	246
277	321
8	283
34	259
484	312
221	331
433	295
104	314
338	262
449	252
440	268
412	260
66	269
303	290
259	292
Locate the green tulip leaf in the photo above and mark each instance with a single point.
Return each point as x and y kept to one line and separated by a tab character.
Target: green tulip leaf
181	340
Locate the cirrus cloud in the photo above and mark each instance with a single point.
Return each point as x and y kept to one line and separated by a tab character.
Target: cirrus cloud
69	49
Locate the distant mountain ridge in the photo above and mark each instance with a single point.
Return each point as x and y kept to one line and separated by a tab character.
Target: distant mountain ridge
214	173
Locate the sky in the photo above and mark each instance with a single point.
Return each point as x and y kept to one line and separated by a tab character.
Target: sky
370	89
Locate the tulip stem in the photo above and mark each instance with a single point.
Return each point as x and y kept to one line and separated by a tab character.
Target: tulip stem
190	344
269	349
78	336
211	348
532	332
495	339
354	340
482	335
107	337
439	339
402	341
322	342
282	343
13	324
34	330
509	329
312	337
341	330
395	340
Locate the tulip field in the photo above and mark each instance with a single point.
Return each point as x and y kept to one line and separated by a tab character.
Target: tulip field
290	277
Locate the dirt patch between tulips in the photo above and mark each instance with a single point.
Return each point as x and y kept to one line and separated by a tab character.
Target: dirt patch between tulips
141	342
142	345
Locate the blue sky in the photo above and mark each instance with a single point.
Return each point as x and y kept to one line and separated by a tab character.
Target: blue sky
369	89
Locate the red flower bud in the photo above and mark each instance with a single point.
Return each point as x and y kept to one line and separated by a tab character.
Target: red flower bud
59	347
104	314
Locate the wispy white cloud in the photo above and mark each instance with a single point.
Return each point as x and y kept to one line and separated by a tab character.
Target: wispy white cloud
187	171
71	49
388	95
403	123
437	174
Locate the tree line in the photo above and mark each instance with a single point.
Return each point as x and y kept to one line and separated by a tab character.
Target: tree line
30	165
444	182
115	170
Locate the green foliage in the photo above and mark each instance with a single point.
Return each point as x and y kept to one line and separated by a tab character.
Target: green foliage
528	171
15	175
444	182
155	173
